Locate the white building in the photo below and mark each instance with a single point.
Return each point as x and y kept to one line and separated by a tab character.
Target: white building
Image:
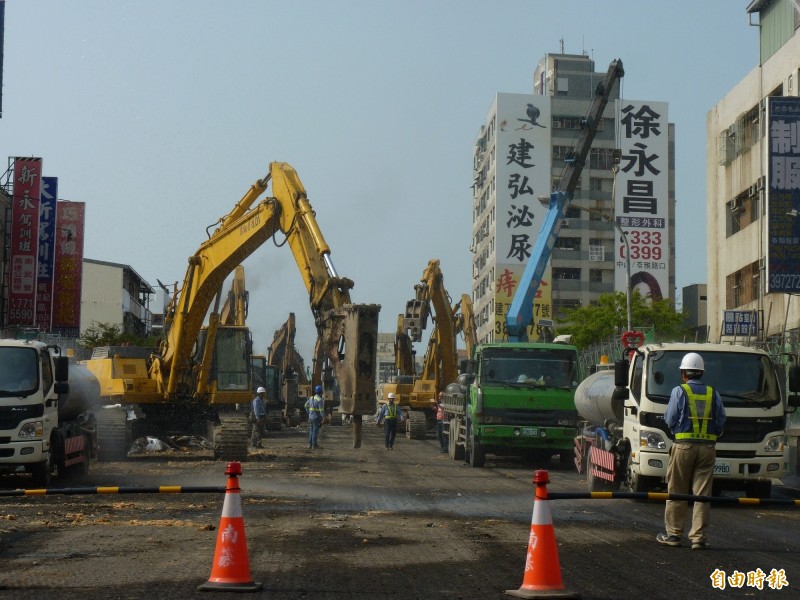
115	294
753	228
520	153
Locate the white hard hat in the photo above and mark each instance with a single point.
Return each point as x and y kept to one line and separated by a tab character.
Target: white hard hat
390	396
692	362
522	379
261	390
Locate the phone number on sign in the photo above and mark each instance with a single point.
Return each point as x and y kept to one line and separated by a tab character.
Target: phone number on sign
645	245
787	281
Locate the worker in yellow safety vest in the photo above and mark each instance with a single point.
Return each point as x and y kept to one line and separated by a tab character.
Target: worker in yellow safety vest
391	414
315	407
696	416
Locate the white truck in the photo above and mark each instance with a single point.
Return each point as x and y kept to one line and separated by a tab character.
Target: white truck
45	426
624	440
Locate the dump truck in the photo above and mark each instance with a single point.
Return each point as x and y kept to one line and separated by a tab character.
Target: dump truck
47	411
516	399
623	441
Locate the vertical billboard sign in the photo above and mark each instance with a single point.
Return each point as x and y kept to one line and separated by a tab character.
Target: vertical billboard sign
783	195
24	244
47	231
641	205
522	173
69	268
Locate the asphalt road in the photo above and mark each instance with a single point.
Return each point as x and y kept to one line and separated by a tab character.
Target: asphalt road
342	523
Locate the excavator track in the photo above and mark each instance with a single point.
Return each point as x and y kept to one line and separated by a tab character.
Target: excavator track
112	434
231	438
416	425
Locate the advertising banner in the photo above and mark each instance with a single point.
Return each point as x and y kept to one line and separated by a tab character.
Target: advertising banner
642	198
523	159
24	241
47	253
783	195
69	268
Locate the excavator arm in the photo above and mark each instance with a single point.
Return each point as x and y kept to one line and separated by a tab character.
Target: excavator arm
520	314
234	311
347	332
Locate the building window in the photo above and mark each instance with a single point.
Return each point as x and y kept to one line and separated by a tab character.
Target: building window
563	304
566	273
742	287
568	243
595	276
597	253
742	211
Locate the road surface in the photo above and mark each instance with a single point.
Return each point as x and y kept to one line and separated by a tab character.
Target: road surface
340	523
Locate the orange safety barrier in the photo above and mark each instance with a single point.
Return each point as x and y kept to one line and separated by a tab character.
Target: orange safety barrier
231	569
542	578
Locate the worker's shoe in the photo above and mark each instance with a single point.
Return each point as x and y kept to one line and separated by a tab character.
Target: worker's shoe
668	540
699	545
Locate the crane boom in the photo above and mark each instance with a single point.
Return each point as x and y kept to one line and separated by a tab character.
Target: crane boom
520	314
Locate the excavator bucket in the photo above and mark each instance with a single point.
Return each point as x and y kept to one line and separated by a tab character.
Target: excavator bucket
355	369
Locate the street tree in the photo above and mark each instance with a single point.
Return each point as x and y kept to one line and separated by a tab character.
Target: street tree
592	324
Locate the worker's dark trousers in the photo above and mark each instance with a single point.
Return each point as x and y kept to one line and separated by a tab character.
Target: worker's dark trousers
390	430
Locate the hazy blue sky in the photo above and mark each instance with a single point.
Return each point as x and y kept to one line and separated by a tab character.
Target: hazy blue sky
160	115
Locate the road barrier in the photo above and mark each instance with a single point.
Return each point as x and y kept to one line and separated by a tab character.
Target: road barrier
230	571
542	577
77	491
662	497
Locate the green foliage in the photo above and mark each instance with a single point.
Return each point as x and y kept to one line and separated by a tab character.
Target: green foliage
591	324
110	334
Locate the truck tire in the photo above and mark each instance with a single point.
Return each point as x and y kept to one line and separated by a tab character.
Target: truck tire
112	434
758	489
476	454
455	450
416	425
42	473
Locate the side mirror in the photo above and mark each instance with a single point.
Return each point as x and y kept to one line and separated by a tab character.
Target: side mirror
621	373
61	368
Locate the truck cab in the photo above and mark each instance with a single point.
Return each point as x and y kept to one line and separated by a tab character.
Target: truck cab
750	452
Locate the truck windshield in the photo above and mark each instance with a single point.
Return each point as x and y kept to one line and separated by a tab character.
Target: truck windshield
742	379
529	367
19	371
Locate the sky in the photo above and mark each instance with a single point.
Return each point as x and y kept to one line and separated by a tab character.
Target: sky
160	115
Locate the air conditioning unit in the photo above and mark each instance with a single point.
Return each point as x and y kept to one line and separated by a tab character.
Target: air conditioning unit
556	124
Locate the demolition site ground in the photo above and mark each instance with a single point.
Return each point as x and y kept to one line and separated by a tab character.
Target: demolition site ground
345	523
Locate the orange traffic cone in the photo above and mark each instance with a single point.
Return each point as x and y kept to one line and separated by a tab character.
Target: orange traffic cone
231	569
542	577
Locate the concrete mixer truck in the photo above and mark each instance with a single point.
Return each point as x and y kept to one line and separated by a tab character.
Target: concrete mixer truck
624	441
46	424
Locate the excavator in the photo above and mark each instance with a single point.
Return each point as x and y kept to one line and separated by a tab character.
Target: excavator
197	376
284	358
401	384
440	365
234	314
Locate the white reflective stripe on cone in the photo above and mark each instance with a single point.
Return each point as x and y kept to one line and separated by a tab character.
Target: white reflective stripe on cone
541	513
232	509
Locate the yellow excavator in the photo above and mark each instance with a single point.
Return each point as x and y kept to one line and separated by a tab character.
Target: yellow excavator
440	364
284	357
199	375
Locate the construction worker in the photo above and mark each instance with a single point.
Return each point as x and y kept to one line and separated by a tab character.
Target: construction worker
259	417
315	407
440	423
391	414
696	416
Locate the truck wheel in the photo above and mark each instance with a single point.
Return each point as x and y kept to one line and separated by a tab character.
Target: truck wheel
41	472
758	489
456	452
416	425
476	454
